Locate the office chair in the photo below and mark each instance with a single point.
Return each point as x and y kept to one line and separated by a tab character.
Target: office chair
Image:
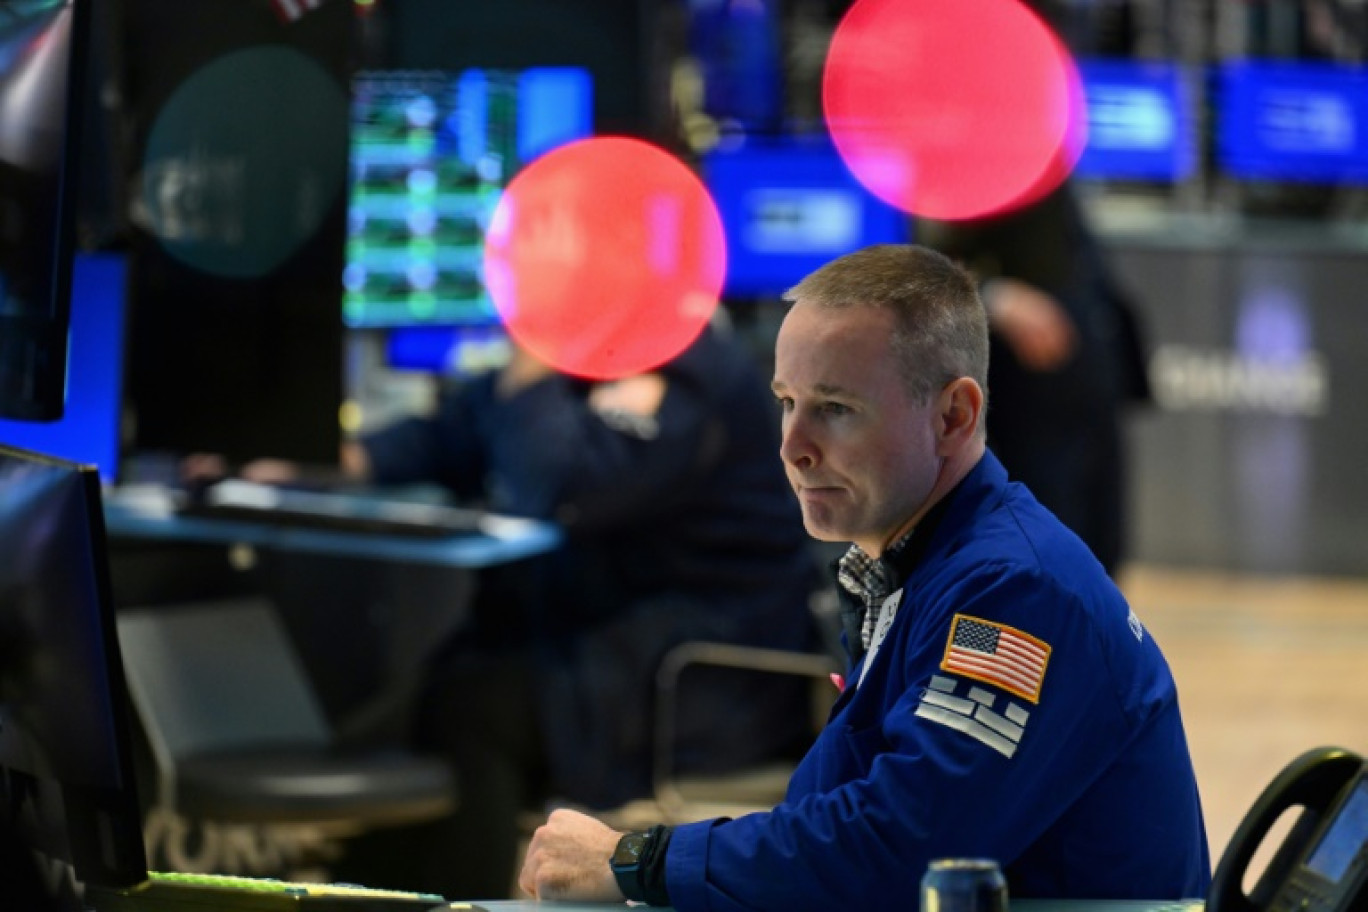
679	797
239	738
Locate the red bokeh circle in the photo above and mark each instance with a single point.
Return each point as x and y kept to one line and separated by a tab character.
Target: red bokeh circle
953	109
605	257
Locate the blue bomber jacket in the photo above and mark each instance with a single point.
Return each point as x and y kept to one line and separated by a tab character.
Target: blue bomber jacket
1013	708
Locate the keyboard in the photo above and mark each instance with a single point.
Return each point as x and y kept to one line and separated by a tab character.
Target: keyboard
180	892
331	511
1108	905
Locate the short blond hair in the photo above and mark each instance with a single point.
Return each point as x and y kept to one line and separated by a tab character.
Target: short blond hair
941	329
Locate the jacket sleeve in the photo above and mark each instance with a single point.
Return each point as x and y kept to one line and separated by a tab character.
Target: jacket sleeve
907	789
443	448
544	452
549	454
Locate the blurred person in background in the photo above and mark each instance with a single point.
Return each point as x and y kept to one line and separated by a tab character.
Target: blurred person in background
679	526
1067	360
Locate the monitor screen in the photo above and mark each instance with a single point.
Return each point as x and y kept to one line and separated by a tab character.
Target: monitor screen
234	134
623	45
739	52
1292	121
788	207
66	776
1346	841
88	431
42	50
1140	121
431	152
449	350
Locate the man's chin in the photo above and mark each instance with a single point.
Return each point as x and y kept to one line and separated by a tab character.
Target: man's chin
823	532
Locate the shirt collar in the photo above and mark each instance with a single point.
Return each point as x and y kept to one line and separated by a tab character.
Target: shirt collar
869	580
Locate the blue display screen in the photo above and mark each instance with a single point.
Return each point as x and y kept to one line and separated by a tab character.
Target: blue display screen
1293	121
1140	121
461	350
738	49
431	152
88	431
1346	839
787	208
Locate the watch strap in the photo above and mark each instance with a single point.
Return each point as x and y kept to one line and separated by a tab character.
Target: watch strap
644	880
652	872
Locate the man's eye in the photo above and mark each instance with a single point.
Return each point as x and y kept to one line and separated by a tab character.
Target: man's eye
835	408
784	402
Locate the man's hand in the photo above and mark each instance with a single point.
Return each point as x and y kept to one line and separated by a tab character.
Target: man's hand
568	859
1033	323
204	468
270	471
523	370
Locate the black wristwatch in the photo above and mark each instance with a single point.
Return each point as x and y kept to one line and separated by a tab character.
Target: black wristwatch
626	864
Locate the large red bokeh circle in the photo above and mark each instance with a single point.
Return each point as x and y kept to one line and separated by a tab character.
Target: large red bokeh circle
605	257
952	109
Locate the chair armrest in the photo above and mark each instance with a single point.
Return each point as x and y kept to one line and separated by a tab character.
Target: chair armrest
817	666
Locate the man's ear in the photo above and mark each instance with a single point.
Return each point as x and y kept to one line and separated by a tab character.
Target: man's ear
960	409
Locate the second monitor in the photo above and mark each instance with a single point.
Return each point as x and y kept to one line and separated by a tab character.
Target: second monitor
431	153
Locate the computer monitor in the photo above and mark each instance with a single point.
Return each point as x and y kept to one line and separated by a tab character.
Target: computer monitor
738	48
89	429
1295	121
1141	121
233	128
453	351
42	51
787	207
628	48
431	153
67	783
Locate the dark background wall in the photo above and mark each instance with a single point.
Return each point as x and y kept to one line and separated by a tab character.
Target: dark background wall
1255	454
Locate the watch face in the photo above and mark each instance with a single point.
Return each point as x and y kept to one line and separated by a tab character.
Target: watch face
628	851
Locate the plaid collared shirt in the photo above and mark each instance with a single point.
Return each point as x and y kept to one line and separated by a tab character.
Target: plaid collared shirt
870	580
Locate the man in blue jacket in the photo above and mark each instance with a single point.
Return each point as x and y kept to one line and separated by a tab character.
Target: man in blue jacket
1002	700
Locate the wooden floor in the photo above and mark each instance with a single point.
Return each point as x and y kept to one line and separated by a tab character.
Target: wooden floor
1267	668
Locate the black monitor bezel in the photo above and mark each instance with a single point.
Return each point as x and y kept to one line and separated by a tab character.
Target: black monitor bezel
39	384
103	824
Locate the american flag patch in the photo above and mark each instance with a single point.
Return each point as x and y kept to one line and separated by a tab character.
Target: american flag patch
996	654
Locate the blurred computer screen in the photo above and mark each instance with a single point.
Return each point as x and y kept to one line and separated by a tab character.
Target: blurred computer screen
1301	121
788	205
43	47
1141	121
431	152
89	430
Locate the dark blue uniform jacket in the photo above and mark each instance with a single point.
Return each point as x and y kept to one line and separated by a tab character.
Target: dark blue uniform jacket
1015	709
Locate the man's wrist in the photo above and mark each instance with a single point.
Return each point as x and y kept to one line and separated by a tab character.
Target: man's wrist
638	865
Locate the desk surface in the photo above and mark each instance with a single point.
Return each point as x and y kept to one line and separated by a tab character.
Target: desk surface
1021	905
1016	905
143	514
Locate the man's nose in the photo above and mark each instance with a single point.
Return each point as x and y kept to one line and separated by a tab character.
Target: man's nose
796	447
